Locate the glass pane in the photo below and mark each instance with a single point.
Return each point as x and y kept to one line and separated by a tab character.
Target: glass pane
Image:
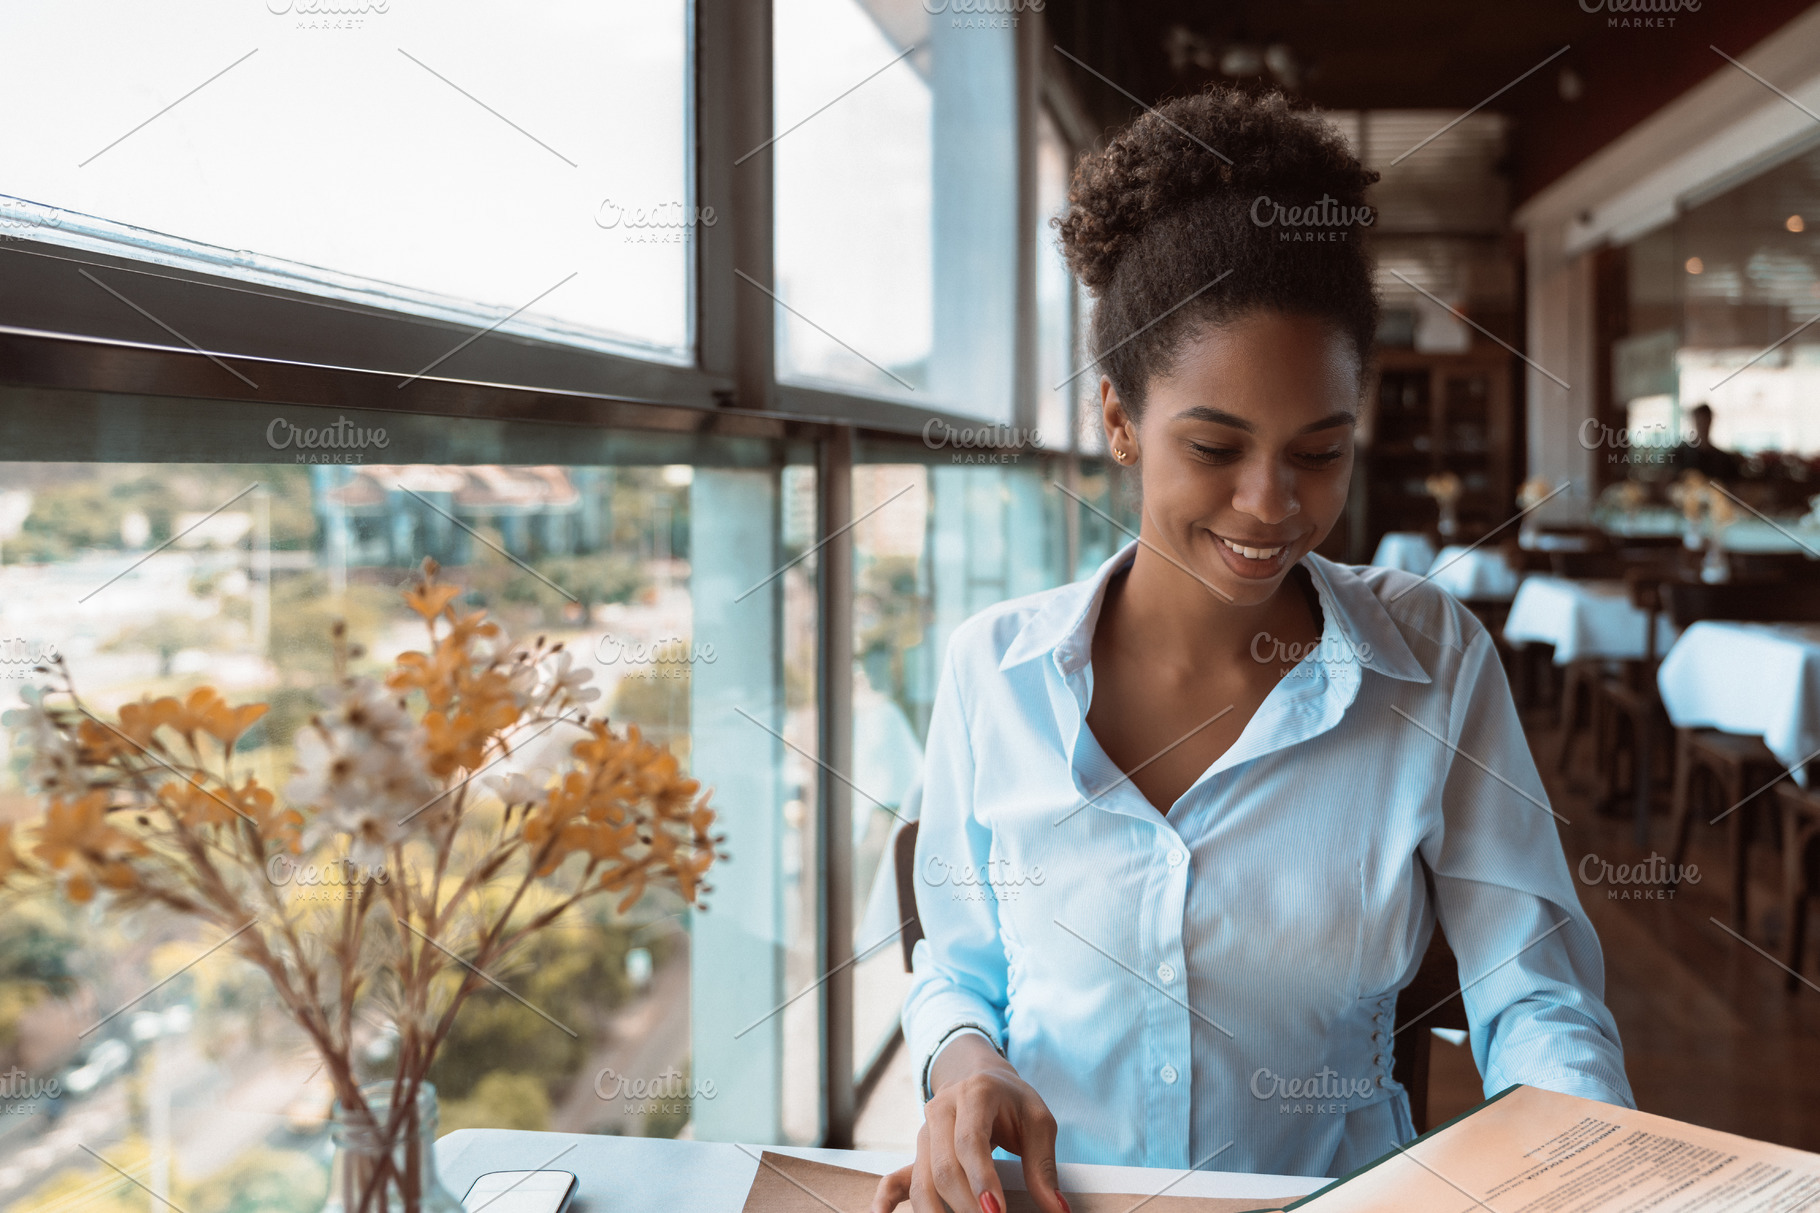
952	540
1749	277
159	546
896	202
1058	387
434	160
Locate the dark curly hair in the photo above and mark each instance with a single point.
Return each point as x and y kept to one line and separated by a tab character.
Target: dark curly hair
1183	194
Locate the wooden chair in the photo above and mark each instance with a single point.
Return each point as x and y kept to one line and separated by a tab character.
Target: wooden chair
1800	871
1738	765
1429	1001
1628	707
1432	1000
903	858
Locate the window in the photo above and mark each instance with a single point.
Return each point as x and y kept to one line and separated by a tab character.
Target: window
896	203
454	162
632	548
945	539
1058	386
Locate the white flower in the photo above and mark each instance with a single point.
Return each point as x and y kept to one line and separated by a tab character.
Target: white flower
569	685
519	788
55	768
362	765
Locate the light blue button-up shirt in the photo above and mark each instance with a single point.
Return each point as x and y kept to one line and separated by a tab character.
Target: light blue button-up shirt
1228	973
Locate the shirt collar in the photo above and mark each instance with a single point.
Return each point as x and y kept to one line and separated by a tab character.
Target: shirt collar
1065	622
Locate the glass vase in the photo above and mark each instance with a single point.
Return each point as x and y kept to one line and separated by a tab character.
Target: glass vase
1449	524
379	1172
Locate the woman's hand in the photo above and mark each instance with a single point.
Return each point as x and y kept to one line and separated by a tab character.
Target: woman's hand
980	1102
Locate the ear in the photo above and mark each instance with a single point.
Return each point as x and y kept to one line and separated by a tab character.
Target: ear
1121	430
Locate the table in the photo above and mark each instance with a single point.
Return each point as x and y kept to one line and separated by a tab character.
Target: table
634	1174
1746	534
1406	550
1476	572
1760	679
1582	619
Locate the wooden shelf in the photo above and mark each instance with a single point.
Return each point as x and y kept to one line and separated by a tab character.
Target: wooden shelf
1435	413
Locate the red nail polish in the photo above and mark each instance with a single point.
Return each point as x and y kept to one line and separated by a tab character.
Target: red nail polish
989	1203
1064	1200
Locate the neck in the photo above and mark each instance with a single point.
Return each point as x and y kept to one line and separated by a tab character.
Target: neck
1173	611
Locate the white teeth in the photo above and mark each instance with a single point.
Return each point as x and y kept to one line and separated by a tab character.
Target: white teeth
1253	553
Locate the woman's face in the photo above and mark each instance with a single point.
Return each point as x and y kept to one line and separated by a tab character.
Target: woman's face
1245	448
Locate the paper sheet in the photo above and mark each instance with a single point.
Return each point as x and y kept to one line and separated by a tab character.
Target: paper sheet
786	1184
1533	1151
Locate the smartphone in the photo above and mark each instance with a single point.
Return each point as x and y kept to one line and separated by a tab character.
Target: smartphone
521	1192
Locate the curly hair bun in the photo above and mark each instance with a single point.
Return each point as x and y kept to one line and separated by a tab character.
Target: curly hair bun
1221	183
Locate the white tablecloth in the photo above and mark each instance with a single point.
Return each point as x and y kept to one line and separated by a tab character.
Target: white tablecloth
1406	550
1761	679
1480	572
1746	534
656	1175
1582	619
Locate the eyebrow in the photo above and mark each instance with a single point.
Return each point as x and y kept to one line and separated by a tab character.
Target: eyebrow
1201	412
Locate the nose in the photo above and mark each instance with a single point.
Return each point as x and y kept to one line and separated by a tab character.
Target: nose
1266	491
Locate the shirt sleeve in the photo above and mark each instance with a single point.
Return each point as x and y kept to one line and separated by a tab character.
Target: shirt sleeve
1530	965
959	966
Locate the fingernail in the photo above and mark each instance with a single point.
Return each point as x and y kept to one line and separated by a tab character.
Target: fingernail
989	1203
1064	1200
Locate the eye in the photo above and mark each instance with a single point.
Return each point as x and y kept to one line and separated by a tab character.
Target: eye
1215	454
1320	459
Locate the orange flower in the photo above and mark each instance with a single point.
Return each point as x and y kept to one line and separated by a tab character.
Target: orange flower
204	711
426	597
9	858
282	826
76	839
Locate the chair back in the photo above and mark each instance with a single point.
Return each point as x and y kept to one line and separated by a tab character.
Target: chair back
1431	1000
903	858
1689	602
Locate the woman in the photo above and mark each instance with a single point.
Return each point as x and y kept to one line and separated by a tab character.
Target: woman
1221	792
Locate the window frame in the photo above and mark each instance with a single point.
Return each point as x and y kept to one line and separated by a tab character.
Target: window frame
58	331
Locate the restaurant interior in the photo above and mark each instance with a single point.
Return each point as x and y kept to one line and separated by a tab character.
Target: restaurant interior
727	345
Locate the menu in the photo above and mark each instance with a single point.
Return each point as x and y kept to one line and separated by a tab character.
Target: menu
1533	1151
786	1184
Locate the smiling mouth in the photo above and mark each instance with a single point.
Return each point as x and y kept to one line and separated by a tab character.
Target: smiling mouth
1251	553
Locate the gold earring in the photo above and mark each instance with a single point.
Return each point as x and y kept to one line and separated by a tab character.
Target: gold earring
1118	454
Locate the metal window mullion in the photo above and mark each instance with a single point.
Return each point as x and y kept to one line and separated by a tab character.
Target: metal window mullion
1027	59
834	798
735	175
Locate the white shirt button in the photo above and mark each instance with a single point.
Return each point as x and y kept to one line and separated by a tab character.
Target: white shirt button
1165	971
1168	1074
1176	858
